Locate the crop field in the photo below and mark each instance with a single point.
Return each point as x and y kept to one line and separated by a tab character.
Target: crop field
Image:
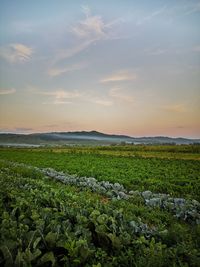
100	206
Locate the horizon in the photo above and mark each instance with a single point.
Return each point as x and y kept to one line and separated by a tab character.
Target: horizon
126	68
90	131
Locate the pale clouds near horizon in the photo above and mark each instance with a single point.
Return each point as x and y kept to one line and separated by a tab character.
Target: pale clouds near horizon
130	68
7	91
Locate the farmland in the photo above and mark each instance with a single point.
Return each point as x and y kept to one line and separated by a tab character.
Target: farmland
51	222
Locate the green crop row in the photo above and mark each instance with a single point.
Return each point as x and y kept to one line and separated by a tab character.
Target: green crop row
46	223
174	176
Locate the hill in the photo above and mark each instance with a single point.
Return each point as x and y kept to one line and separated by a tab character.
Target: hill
85	137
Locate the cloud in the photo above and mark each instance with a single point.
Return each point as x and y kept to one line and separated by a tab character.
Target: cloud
86	32
177	108
72	51
16	53
57	102
7	91
182	9
92	27
57	97
102	102
60	97
151	16
156	51
192	7
113	96
124	75
59	71
118	94
61	94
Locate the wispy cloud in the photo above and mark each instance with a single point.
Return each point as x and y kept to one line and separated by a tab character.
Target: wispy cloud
16	53
177	108
56	102
114	95
122	95
182	9
61	97
101	101
7	91
191	7
156	51
151	16
92	27
59	71
123	75
57	97
61	94
86	32
71	51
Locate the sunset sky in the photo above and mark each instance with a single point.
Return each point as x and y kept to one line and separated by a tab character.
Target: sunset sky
115	66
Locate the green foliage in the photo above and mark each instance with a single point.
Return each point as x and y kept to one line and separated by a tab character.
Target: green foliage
47	223
158	172
7	255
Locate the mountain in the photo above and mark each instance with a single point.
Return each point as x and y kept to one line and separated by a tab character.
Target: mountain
85	137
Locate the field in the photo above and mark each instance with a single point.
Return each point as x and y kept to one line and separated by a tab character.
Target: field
53	217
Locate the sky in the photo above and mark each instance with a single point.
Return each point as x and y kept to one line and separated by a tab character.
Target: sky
114	66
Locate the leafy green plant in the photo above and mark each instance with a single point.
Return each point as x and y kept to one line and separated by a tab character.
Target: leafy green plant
46	223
